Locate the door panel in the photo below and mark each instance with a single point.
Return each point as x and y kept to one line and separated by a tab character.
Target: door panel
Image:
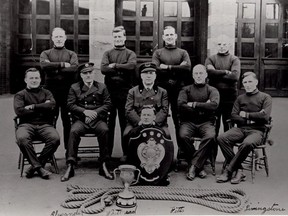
262	42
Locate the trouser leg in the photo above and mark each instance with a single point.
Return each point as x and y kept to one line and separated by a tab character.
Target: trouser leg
24	136
207	132
111	126
122	122
77	129
102	133
186	131
66	124
253	138
227	141
226	114
50	136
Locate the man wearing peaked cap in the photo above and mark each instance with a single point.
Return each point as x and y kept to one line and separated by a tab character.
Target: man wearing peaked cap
85	67
146	93
89	101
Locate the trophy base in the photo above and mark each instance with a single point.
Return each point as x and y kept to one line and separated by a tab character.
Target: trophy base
126	205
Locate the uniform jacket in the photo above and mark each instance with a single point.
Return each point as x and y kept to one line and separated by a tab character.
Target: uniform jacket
81	98
138	96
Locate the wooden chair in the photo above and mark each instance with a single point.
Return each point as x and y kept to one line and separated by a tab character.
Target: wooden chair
22	161
258	156
87	150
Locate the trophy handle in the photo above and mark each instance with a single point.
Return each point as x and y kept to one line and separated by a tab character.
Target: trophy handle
114	172
137	179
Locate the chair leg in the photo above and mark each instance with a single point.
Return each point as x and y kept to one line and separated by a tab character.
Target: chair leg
22	165
54	164
253	164
265	161
19	160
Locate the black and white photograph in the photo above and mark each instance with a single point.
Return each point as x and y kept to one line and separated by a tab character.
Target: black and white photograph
143	107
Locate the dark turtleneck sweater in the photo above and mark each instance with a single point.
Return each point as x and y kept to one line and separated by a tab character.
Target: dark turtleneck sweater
52	63
225	83
42	113
119	77
206	98
173	56
257	105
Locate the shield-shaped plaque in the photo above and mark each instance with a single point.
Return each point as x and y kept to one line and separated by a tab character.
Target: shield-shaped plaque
152	153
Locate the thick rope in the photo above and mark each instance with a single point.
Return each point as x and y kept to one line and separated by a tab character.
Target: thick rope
92	200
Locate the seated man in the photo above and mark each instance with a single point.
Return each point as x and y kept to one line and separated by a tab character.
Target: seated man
147	93
34	106
89	101
251	111
149	150
197	104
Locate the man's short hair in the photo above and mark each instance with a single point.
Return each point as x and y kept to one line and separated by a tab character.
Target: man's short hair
150	106
199	66
119	29
249	73
31	70
169	27
58	28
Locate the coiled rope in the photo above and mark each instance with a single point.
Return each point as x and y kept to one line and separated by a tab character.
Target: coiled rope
92	200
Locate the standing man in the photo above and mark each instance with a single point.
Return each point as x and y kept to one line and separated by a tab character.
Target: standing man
60	67
89	101
35	108
223	72
147	93
197	105
251	111
173	70
118	65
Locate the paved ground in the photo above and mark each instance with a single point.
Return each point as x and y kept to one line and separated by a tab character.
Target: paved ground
21	196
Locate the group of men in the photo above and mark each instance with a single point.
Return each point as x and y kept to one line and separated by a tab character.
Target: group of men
195	106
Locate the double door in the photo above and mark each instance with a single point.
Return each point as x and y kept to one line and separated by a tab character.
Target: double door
262	42
144	21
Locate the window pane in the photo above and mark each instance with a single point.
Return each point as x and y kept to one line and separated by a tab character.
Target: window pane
25	6
83	27
24	46
187	29
236	49
271	50
247	49
248	30
170	9
146	48
147	9
284	80
272	11
42	7
42	45
24	26
131	45
83	47
129	8
146	28
188	9
67	25
84	7
171	23
271	78
42	26
67	7
69	44
271	30
248	11
188	46
285	50
129	27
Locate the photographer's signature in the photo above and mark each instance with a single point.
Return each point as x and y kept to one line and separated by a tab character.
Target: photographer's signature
177	209
264	209
57	213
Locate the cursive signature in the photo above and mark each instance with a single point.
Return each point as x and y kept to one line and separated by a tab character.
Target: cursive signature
177	209
56	213
273	208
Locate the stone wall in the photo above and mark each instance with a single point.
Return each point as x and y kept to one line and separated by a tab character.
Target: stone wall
221	20
102	16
